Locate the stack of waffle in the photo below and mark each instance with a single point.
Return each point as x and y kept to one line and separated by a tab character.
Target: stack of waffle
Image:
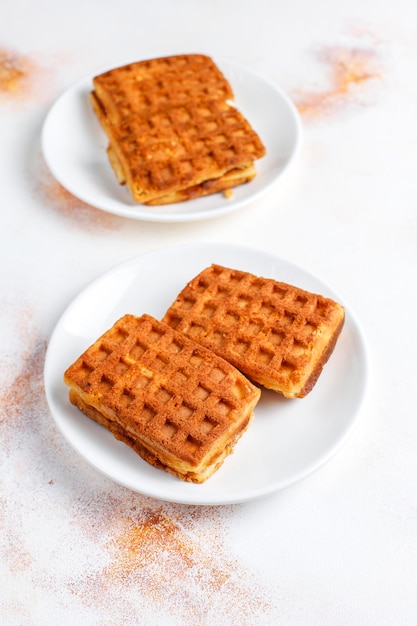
181	391
173	132
178	405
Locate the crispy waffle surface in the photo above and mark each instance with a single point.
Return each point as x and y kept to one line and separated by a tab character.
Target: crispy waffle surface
173	134
278	335
231	178
178	405
182	147
151	85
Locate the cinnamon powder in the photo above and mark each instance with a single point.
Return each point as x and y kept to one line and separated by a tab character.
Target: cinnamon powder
21	372
136	556
71	207
14	71
179	562
350	70
22	78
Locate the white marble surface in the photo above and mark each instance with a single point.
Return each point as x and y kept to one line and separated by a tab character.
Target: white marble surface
338	548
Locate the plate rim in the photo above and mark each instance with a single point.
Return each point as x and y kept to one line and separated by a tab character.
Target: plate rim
254	493
135	211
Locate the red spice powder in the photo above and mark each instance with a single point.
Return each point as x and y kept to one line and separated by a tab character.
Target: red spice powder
22	402
14	71
22	398
27	385
140	557
21	388
350	70
174	558
155	539
22	79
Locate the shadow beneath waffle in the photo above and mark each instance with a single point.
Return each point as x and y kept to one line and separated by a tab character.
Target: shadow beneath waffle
270	399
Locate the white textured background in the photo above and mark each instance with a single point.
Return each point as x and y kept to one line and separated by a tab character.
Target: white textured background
339	548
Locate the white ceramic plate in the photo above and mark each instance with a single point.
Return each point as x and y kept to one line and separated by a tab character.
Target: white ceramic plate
74	147
287	440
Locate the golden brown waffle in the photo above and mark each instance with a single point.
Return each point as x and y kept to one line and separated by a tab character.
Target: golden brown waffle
155	84
231	178
181	147
278	335
178	134
180	406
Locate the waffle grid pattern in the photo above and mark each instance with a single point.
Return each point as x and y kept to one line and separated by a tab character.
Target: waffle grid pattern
162	385
171	128
160	83
184	145
256	323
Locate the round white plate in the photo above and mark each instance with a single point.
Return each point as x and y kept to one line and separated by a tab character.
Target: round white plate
74	147
287	439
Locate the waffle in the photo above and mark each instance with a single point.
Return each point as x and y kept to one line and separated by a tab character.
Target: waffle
178	405
148	86
278	335
172	130
230	179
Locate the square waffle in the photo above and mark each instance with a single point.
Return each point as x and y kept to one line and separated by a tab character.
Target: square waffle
278	335
155	84
173	134
232	178
178	405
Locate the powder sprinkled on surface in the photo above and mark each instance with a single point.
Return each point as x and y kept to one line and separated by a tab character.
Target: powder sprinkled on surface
362	30
26	386
71	207
75	539
351	68
14	71
171	560
21	374
22	78
21	402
